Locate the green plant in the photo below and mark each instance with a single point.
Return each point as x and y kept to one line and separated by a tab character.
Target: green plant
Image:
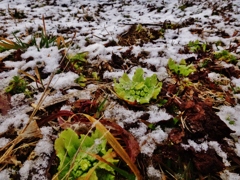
16	85
81	80
6	44
162	102
140	28
225	55
161	32
204	63
138	89
95	76
45	42
180	69
78	59
236	90
230	121
196	46
86	156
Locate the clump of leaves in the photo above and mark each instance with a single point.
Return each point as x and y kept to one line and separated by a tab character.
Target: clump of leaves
140	28
46	41
81	80
225	55
95	76
6	44
182	68
196	46
77	60
16	85
138	89
86	156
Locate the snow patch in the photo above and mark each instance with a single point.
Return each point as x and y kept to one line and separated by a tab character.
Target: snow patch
216	146
3	142
45	145
153	173
157	114
198	147
148	142
49	56
4	174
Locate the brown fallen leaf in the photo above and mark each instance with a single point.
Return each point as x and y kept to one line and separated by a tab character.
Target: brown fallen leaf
207	162
4	104
176	135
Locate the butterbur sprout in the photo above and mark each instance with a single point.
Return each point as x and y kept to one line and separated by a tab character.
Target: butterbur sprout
138	89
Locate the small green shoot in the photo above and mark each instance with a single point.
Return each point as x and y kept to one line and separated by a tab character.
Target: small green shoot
6	44
16	85
101	107
79	157
196	46
236	90
140	28
230	121
161	32
175	120
78	59
138	89
46	41
226	56
180	69
162	102
151	126
81	80
95	76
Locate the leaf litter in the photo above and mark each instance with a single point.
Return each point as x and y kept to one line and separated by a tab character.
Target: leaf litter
71	55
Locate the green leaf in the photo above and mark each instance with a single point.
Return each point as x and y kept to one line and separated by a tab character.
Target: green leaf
226	56
81	80
183	70
16	85
82	56
138	75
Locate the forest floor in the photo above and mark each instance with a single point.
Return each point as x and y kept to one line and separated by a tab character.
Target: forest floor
65	64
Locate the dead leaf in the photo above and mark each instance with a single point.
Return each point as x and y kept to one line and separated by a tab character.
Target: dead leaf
4	104
176	135
207	162
32	130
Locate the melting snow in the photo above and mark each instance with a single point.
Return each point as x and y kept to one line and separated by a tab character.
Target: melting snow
108	25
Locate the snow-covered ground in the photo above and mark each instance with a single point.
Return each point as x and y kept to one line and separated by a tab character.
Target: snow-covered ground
95	24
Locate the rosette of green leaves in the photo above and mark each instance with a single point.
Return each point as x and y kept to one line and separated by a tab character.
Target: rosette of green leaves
138	89
75	163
